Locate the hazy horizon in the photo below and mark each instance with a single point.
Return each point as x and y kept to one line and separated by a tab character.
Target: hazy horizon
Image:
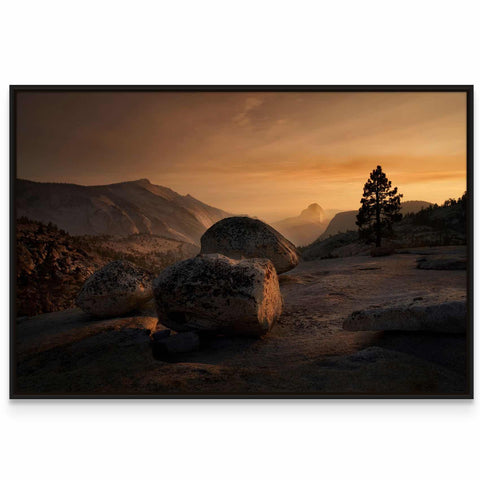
268	155
327	210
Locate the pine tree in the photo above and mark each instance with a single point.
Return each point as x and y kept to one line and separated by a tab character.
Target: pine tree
380	208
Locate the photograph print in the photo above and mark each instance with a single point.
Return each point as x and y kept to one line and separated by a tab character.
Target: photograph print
241	242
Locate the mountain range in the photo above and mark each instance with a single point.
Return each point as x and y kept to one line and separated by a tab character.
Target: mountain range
345	221
431	226
140	207
118	209
305	228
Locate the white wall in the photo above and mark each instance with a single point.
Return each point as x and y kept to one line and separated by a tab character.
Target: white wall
220	42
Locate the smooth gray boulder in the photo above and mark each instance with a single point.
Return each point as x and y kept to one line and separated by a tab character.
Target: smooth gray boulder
213	293
116	289
448	317
244	237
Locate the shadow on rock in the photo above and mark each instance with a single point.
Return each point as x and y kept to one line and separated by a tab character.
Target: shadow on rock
198	347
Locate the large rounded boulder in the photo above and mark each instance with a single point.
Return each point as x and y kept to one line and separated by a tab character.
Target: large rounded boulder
216	294
116	289
244	237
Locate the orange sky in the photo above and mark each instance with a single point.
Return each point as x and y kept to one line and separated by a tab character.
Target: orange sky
263	154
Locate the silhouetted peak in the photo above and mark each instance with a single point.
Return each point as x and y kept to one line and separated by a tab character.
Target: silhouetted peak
313	212
143	181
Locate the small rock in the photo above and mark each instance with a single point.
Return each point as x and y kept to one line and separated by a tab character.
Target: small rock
116	289
244	237
216	294
173	345
160	334
448	317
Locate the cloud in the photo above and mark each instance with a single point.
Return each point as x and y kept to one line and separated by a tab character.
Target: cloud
243	118
249	152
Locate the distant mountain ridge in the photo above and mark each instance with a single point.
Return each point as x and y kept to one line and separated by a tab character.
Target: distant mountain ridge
305	228
117	209
435	225
345	221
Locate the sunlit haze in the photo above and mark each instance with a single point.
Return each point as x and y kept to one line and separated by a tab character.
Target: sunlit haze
262	154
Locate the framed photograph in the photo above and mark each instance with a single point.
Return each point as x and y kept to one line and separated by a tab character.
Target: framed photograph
241	241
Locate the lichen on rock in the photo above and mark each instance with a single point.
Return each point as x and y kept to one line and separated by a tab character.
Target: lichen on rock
218	294
244	237
116	289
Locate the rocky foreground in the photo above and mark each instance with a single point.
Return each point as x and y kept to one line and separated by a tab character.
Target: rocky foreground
308	350
52	265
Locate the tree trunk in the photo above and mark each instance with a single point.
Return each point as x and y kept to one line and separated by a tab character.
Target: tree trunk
378	235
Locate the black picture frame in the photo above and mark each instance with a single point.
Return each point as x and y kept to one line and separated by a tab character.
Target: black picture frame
468	89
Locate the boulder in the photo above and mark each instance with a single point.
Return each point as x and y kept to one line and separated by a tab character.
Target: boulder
243	237
116	289
448	317
213	293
